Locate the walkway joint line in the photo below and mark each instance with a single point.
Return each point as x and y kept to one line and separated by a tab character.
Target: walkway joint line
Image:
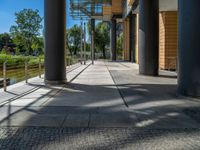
117	86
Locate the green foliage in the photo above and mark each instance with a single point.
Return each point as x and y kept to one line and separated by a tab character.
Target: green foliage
120	44
18	60
102	38
6	41
11	59
38	46
26	30
74	39
3	51
88	47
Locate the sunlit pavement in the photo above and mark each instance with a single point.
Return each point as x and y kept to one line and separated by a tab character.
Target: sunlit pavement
104	106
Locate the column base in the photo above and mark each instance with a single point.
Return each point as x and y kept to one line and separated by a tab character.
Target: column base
149	74
193	93
60	82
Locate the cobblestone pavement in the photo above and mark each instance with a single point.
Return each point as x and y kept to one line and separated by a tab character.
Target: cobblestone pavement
40	138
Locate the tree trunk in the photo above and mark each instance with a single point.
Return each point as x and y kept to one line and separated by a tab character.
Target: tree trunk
104	53
75	51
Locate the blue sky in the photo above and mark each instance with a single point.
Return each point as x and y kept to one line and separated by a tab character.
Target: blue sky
9	7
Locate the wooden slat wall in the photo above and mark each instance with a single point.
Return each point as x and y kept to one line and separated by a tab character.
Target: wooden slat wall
126	44
168	43
162	40
107	10
116	6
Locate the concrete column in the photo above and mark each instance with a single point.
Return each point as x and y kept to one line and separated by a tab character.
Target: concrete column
189	48
133	30
148	37
55	31
92	40
113	39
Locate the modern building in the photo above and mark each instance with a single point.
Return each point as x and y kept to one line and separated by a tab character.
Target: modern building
158	34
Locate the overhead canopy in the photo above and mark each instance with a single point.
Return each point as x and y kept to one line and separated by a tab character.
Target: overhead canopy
84	9
106	9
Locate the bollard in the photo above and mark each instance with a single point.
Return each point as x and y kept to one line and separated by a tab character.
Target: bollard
40	68
26	71
4	76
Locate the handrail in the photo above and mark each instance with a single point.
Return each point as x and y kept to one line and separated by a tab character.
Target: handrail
13	71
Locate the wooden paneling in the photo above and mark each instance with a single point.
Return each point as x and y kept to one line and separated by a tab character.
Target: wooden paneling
168	43
116	6
126	44
107	10
162	40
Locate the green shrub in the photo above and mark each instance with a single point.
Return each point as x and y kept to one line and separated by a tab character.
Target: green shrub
19	60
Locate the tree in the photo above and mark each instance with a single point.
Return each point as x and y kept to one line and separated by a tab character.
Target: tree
38	46
120	39
6	43
74	39
102	38
26	30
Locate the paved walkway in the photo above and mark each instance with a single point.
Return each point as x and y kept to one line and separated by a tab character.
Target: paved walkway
104	106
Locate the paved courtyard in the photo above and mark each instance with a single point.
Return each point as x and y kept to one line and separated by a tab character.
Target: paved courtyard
104	106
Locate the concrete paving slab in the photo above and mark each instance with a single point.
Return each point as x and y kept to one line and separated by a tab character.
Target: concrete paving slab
89	113
97	97
152	99
27	117
17	119
46	120
89	92
20	89
76	120
170	120
112	120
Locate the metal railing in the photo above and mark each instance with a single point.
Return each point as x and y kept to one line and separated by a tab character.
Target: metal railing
13	70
